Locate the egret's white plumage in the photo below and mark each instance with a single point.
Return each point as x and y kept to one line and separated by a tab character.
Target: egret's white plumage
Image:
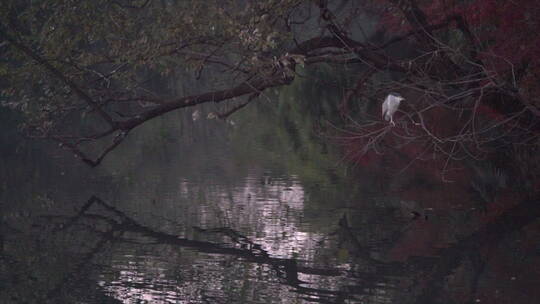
390	106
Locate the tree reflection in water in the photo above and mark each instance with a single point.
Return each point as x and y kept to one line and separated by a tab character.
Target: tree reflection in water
167	268
130	284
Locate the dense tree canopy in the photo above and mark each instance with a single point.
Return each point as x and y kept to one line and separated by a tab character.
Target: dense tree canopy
471	66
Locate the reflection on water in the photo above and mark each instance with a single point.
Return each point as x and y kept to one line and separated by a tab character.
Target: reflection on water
216	220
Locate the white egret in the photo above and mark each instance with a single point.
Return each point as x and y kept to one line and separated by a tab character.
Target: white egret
390	106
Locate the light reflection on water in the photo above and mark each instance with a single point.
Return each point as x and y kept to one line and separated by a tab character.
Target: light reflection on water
267	211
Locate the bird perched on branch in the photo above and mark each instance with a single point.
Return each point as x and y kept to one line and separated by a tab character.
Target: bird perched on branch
390	106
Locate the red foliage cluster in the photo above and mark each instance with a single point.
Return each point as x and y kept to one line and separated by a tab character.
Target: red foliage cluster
509	28
506	29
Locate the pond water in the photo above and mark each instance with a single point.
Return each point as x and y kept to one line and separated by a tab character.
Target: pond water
210	212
